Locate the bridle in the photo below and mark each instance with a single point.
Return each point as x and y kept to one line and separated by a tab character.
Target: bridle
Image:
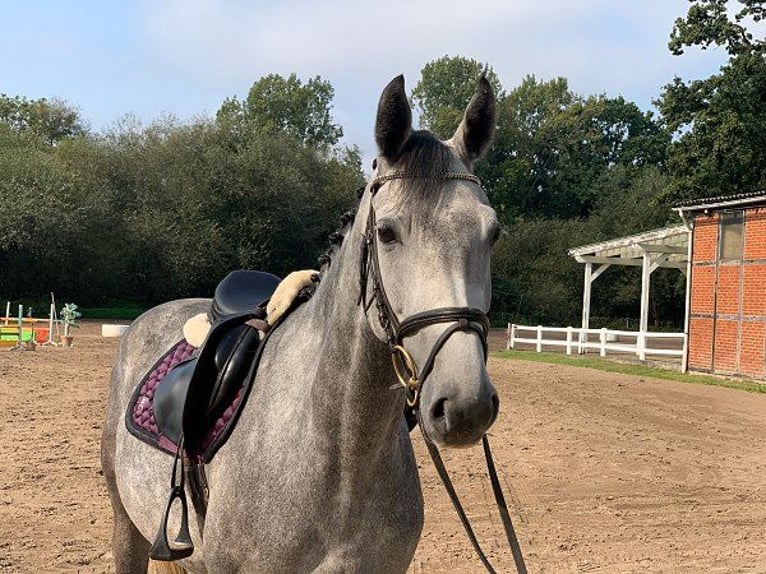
463	319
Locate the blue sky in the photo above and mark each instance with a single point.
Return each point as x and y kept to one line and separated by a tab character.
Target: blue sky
183	57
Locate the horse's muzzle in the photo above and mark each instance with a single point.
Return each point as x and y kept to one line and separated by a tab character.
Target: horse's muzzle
456	421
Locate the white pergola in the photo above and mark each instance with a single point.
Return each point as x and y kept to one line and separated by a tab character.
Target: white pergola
666	247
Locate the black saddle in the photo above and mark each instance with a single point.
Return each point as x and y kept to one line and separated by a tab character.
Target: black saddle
194	393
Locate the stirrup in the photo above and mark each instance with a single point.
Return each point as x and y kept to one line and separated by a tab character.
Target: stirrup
183	547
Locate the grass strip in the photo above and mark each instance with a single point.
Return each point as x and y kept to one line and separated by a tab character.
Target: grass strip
632	369
117	312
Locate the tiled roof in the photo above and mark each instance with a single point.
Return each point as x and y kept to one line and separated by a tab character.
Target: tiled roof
671	242
721	201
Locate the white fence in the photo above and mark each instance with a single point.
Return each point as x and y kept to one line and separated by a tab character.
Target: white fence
579	340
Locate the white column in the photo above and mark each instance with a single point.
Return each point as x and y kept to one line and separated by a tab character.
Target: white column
585	305
646	273
687	310
590	277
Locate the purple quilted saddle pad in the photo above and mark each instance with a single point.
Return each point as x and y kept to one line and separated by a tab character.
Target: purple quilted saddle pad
140	417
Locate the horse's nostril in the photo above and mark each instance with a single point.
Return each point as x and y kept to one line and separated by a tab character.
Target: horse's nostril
437	411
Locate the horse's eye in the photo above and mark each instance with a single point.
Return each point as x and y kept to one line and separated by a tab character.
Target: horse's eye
386	234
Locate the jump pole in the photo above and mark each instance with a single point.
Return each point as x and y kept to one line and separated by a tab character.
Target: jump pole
7	311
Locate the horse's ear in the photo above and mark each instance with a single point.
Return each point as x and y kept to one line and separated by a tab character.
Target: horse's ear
394	120
474	134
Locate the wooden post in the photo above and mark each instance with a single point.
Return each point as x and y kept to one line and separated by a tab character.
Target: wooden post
51	313
539	338
590	277
641	345
20	342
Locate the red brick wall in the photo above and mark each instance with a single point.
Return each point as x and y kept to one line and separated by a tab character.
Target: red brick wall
754	300
703	292
755	233
725	346
752	350
701	343
727	323
705	240
728	289
702	304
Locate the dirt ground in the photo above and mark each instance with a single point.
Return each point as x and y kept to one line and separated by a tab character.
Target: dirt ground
603	472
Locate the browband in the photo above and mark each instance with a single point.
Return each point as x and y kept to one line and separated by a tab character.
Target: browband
381	179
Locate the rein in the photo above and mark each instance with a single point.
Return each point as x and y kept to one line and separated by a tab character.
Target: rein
464	319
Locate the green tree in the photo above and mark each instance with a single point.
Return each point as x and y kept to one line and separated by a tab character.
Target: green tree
445	86
719	23
50	218
720	121
535	281
285	105
534	251
552	147
51	120
276	203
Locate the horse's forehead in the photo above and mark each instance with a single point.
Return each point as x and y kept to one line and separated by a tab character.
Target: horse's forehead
450	194
460	205
458	195
459	223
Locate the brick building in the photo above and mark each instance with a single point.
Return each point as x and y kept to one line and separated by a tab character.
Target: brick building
726	318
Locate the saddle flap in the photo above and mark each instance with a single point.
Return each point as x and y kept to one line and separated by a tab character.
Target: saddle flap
222	368
233	361
170	397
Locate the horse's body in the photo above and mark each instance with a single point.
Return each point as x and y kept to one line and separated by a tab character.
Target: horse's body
319	473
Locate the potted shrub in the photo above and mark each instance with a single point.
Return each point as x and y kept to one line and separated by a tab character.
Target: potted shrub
69	315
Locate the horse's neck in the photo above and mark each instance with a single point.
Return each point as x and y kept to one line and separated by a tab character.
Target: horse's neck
351	392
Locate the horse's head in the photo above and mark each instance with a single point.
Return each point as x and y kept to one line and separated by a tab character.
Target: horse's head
430	232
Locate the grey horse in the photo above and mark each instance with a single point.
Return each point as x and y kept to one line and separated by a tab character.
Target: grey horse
319	474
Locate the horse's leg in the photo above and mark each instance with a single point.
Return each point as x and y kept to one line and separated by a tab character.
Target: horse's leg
129	547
